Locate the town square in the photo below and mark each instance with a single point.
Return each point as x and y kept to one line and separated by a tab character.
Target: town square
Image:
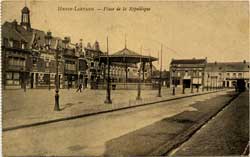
116	78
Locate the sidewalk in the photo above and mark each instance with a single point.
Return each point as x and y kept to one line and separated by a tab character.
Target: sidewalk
35	107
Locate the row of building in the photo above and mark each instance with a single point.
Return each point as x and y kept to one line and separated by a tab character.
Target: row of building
199	73
29	61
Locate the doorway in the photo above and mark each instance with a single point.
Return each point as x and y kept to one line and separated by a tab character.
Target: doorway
186	83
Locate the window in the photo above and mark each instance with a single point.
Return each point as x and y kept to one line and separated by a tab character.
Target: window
47	64
23	46
10	61
240	74
8	75
228	74
16	44
234	74
5	42
16	76
11	43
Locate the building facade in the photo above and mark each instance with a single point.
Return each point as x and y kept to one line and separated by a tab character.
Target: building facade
187	72
226	74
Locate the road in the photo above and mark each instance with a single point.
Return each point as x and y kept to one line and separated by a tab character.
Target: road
225	135
103	134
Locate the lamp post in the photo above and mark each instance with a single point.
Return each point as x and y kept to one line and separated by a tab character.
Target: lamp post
198	80
174	69
159	88
203	81
108	99
183	88
139	81
192	75
48	40
211	86
207	81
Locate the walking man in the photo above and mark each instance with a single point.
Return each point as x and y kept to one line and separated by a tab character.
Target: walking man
79	88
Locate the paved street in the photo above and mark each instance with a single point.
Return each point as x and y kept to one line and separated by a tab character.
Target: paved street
135	131
226	135
37	105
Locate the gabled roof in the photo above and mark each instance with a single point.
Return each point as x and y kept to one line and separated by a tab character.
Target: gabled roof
227	67
188	61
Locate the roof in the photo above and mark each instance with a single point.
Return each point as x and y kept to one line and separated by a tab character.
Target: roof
9	32
125	52
227	66
188	61
25	10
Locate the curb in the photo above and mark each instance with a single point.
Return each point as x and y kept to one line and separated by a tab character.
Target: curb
166	148
101	112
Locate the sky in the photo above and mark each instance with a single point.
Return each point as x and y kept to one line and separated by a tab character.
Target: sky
218	30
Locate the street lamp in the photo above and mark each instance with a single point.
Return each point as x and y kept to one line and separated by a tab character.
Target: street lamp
183	85
159	88
108	99
192	75
207	81
139	81
48	38
198	80
174	69
203	81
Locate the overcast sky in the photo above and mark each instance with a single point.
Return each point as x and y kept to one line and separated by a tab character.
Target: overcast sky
217	30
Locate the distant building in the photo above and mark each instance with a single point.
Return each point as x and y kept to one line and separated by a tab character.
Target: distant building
225	74
187	72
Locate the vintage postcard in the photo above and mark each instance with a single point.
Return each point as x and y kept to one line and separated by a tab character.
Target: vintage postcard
124	78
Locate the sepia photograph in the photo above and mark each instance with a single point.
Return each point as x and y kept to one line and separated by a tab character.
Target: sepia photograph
84	78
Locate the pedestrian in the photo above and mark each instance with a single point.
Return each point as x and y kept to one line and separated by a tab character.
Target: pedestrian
79	88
